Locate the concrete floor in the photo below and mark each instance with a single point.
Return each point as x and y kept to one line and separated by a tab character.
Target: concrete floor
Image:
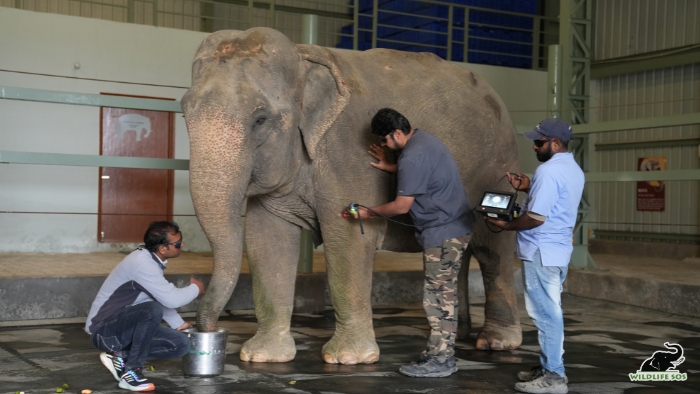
605	342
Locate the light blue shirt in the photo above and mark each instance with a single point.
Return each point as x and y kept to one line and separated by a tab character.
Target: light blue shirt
555	193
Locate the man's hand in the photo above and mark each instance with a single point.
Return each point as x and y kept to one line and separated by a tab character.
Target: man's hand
185	326
498	223
199	284
360	213
379	154
519	181
524	222
401	205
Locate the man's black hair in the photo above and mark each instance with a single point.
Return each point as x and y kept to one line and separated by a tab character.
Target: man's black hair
387	120
157	234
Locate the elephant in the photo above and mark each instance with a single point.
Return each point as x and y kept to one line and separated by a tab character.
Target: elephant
138	123
664	361
286	128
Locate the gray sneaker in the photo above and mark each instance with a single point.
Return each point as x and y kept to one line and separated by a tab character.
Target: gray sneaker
451	361
546	383
534	373
431	368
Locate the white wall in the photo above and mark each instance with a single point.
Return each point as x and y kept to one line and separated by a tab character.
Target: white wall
37	43
107	51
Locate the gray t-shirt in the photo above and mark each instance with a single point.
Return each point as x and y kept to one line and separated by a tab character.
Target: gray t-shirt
427	171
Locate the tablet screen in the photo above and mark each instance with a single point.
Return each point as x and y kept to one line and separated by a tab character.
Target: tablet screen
496	200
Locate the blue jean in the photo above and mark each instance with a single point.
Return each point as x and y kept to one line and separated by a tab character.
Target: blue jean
136	334
543	287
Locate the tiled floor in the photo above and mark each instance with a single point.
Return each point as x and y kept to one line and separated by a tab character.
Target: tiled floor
605	342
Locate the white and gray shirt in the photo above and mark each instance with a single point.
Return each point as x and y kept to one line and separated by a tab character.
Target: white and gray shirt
139	278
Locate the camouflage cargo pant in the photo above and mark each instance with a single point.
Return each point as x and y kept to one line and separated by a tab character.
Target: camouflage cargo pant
442	266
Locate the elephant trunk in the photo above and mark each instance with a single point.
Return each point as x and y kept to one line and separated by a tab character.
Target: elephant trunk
219	178
678	348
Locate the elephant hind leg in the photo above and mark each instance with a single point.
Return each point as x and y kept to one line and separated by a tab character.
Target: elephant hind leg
464	321
495	253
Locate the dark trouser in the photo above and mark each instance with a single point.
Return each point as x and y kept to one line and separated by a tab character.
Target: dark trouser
137	335
442	266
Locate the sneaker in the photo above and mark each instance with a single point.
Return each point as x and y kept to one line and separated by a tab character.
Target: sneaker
451	361
534	373
546	383
114	364
430	368
134	380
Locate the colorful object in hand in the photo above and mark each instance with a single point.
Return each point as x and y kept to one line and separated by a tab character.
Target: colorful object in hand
351	210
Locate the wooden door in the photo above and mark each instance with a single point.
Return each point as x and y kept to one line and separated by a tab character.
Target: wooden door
131	198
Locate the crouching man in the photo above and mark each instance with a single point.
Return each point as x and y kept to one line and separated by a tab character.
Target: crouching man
125	318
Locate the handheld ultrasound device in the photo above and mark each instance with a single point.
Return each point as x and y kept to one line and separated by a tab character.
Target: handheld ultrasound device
499	205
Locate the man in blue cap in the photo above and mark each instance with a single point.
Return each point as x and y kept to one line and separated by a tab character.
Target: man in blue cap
544	244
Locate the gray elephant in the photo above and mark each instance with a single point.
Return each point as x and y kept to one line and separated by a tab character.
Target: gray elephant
664	361
288	127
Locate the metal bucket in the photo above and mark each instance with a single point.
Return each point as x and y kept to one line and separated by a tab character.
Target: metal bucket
207	352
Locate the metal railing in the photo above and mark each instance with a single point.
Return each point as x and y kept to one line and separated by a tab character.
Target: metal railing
452	31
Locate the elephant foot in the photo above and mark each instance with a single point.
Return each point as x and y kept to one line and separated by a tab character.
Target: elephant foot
499	338
351	350
269	348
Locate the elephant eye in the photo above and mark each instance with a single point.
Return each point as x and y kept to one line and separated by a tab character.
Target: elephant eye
260	121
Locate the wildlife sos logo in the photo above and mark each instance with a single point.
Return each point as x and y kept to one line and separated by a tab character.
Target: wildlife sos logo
661	366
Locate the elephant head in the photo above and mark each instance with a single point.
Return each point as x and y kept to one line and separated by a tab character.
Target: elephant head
663	361
256	111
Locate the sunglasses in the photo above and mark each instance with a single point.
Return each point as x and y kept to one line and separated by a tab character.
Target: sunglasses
177	244
540	143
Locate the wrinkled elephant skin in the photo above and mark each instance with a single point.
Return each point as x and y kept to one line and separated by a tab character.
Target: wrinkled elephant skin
288	127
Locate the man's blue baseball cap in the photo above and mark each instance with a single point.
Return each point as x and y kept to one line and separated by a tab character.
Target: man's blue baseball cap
552	128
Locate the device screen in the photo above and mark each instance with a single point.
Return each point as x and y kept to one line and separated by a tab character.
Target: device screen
495	200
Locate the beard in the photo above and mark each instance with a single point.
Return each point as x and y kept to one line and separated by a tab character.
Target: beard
544	155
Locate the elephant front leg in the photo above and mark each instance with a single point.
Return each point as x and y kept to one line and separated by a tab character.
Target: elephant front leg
350	263
501	329
273	253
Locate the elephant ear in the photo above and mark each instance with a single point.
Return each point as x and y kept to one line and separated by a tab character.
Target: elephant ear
325	95
655	363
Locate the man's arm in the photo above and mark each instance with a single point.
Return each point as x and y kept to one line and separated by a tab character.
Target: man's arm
524	222
150	278
173	318
401	205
